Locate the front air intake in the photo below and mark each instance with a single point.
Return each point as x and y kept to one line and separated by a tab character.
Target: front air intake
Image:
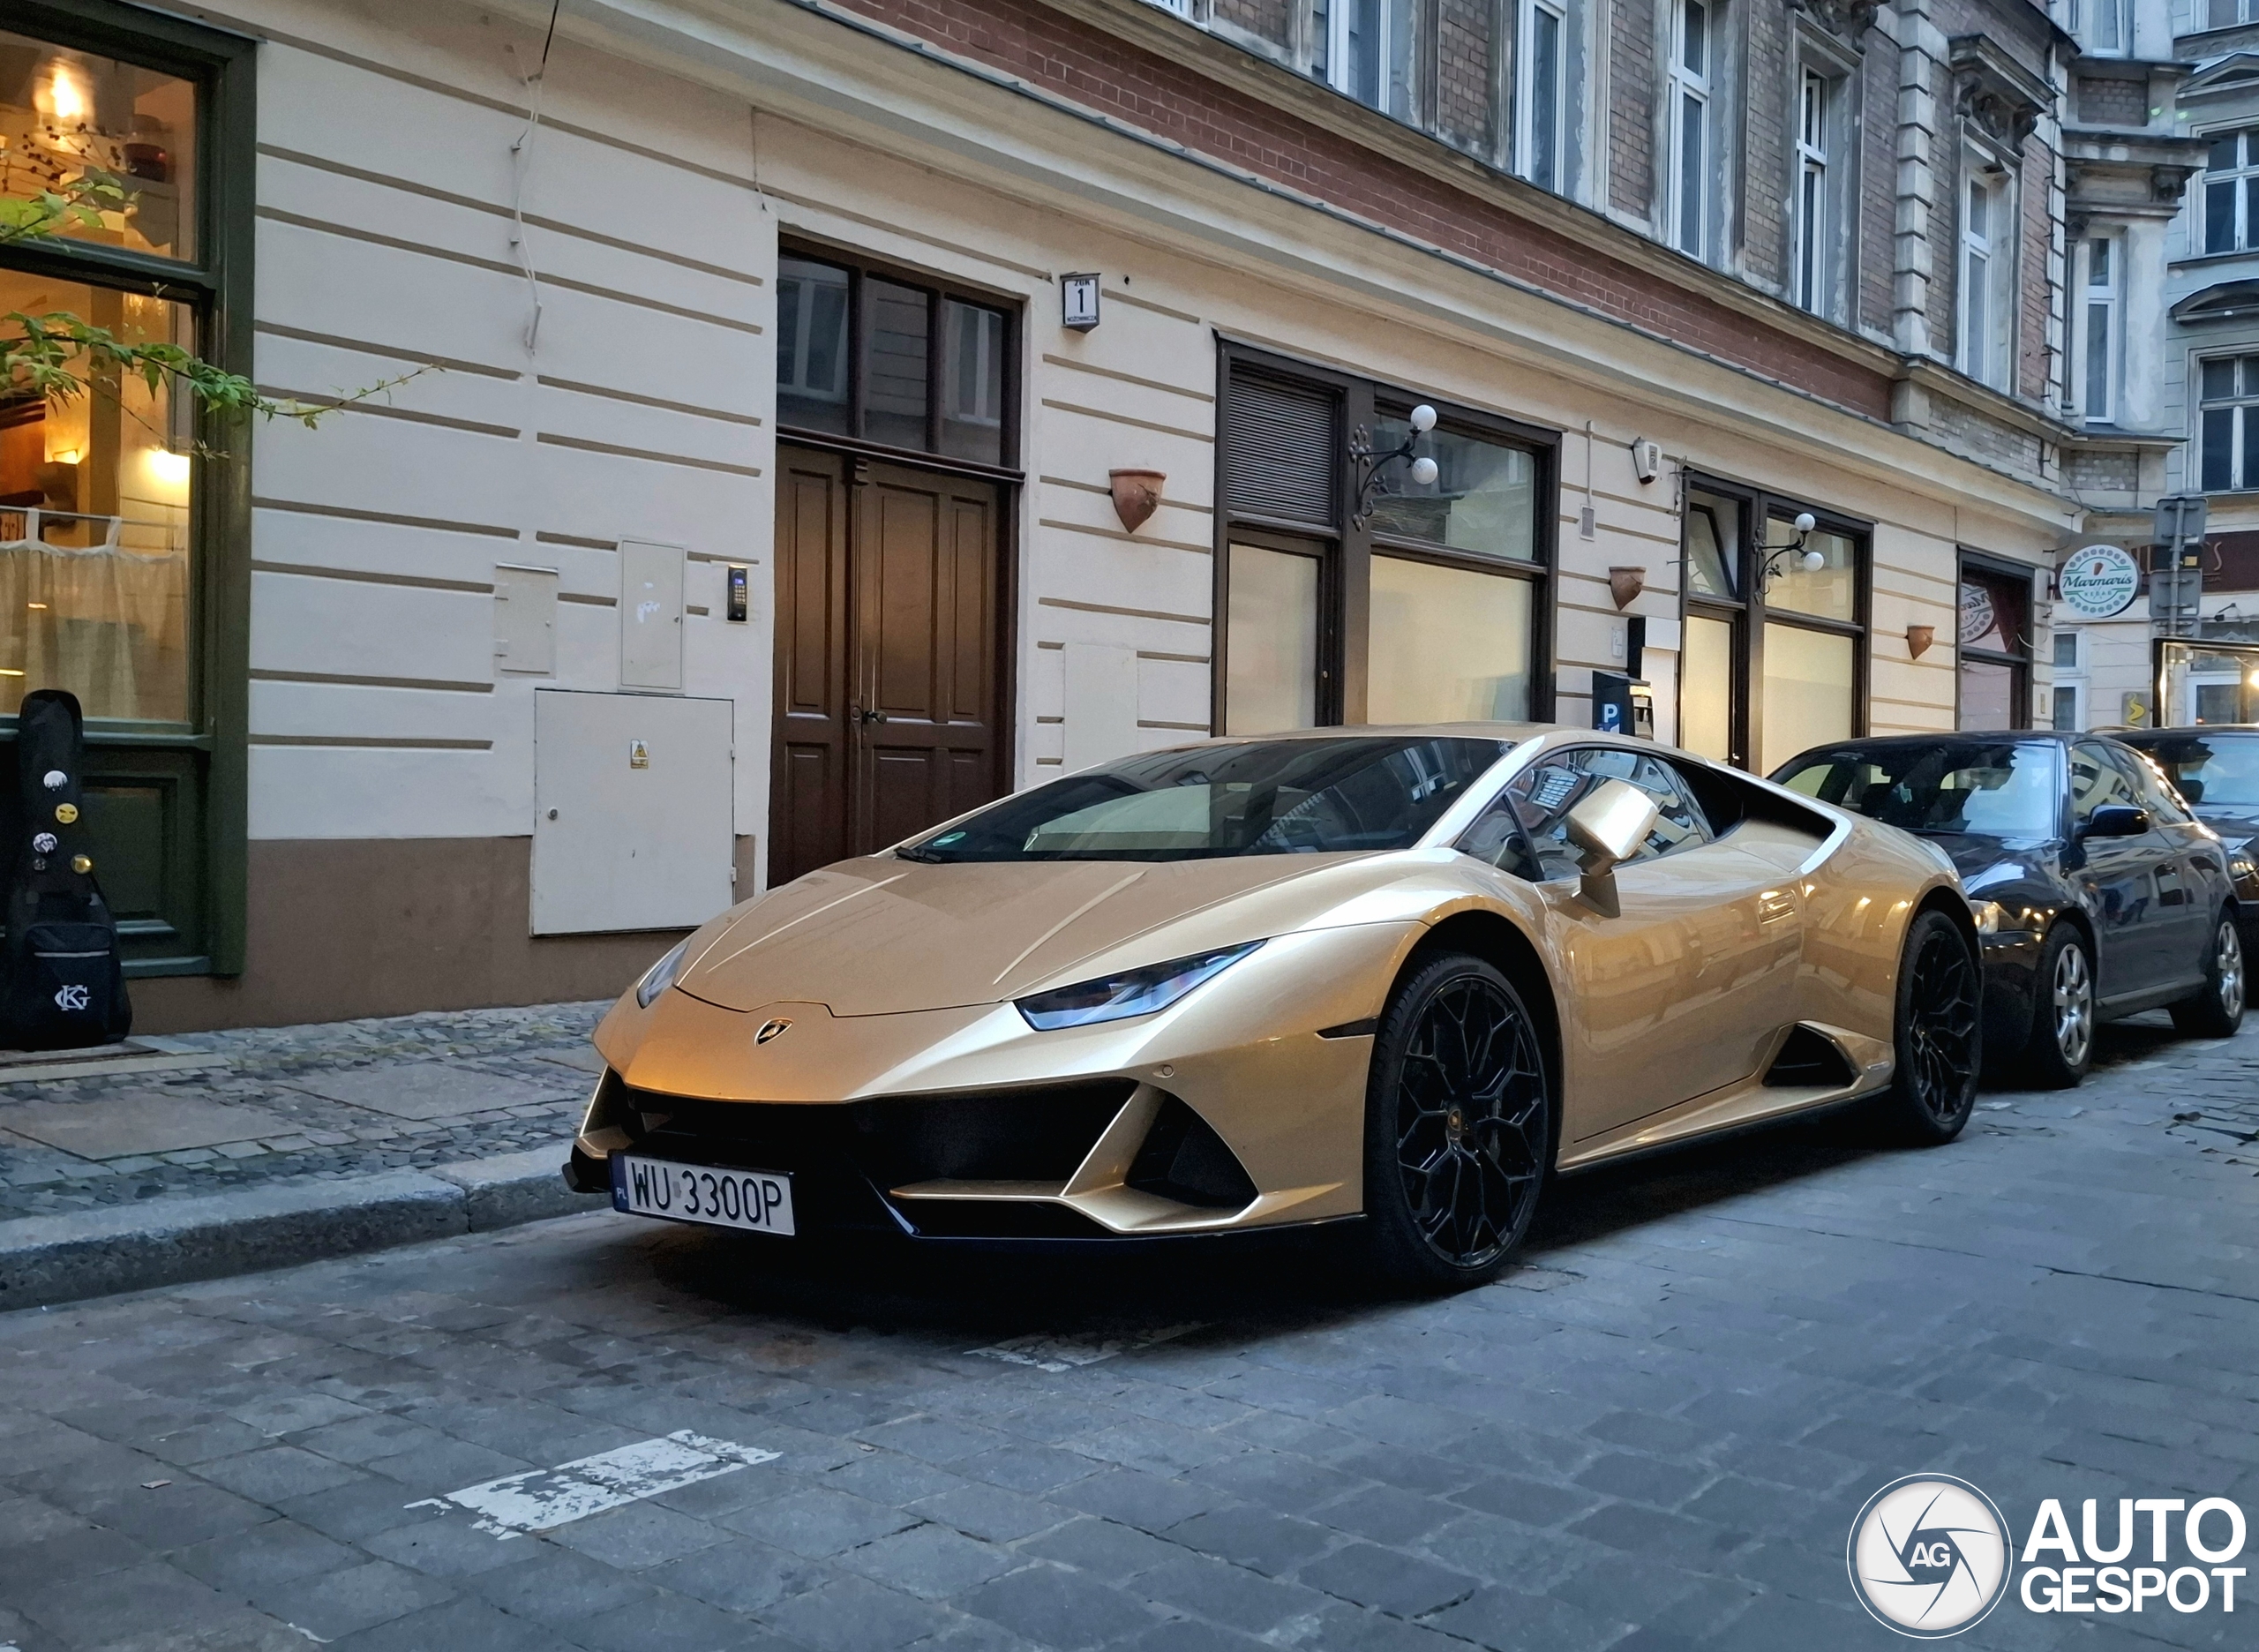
1183	1159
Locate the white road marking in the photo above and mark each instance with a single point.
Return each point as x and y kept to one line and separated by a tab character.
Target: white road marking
1065	1353
542	1497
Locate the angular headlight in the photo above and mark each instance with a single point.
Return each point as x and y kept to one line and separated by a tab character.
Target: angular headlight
660	976
1132	993
1991	917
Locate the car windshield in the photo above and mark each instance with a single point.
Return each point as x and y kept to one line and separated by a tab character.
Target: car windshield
1205	802
2221	770
1996	789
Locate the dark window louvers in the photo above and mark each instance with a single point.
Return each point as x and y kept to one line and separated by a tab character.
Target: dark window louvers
1280	456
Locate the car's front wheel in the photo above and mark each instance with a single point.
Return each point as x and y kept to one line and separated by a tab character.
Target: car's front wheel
1459	1125
2216	1010
1938	1034
2062	1013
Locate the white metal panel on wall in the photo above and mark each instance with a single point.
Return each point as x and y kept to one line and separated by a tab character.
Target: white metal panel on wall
633	826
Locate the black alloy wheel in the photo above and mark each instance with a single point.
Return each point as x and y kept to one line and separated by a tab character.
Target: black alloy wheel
1940	1030
1459	1125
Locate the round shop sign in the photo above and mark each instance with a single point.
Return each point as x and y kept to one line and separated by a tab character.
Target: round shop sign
2098	581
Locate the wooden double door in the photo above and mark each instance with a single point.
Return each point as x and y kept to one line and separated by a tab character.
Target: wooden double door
889	710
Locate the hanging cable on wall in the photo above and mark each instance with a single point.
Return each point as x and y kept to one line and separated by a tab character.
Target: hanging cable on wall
520	167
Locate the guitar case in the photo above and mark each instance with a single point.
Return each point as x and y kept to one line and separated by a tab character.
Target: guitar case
66	982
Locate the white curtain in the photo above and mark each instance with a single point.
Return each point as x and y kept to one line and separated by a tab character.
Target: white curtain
107	623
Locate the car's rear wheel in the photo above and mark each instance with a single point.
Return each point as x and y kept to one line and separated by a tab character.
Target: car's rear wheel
2216	1010
2062	1013
1938	1035
1459	1125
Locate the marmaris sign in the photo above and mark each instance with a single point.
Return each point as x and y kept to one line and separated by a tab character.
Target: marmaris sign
2098	581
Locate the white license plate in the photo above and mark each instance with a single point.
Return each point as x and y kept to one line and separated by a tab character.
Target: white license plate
759	1201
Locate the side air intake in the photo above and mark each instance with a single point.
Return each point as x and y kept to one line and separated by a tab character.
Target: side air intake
1810	1061
1183	1159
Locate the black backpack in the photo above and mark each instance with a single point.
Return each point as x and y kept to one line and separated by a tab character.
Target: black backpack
65	986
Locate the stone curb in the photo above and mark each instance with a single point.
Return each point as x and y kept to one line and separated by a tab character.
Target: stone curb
45	1259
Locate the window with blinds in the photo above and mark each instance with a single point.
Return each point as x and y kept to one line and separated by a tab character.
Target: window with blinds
1281	456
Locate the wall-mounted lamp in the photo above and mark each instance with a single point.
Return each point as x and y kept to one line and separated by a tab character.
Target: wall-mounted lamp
1776	557
1918	638
1370	462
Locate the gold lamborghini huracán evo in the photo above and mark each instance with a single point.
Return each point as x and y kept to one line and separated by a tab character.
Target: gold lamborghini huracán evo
1397	975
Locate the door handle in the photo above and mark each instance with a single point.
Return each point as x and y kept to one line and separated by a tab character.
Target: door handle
863	715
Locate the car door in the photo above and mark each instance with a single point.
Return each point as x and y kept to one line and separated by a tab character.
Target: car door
2190	870
2133	929
1681	991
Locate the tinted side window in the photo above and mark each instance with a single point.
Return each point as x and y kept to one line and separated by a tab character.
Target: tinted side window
2156	793
1547	790
1496	837
2097	781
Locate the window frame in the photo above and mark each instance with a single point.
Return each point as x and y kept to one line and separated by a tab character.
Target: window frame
2108	302
2238	407
1346	548
202	766
1749	613
937	289
1690	88
2120	12
1339	69
1989	365
2240	183
1812	241
2020	666
1525	91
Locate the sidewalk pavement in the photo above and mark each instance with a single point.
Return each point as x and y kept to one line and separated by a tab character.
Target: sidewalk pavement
169	1159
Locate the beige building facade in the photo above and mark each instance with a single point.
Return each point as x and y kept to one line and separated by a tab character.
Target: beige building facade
752	440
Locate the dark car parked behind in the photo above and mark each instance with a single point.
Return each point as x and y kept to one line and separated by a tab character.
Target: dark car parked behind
2216	770
2097	895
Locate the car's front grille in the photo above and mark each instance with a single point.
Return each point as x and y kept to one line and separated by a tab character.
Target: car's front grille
844	1157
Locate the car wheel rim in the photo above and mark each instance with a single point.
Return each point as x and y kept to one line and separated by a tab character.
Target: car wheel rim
2227	968
1943	1028
2073	1004
1471	1122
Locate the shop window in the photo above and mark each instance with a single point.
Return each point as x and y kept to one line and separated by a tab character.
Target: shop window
1773	657
871	357
1995	648
1448	581
69	115
122	564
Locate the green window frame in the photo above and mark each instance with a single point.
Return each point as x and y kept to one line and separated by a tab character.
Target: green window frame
167	802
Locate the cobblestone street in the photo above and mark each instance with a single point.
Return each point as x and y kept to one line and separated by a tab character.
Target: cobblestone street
1654	1434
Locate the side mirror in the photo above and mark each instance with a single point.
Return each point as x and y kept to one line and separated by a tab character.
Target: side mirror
1609	827
2116	820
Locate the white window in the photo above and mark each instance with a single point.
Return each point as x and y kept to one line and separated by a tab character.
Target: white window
1812	212
1541	93
1368	52
2069	707
2228	14
2228	434
2100	331
2232	192
2105	28
1987	244
1690	128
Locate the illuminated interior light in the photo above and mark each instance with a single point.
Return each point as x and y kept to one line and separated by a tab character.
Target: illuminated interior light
36	605
4	671
66	96
169	467
68	455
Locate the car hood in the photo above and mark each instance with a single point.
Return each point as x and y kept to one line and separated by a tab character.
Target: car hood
883	936
1987	864
2233	824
